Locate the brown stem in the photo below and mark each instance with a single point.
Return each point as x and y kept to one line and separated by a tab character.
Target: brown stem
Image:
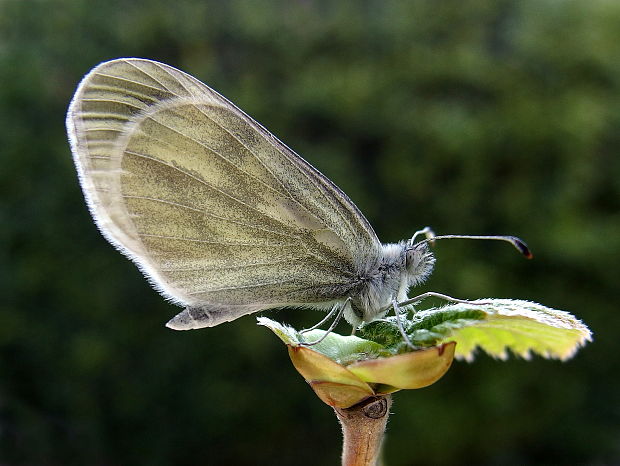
363	426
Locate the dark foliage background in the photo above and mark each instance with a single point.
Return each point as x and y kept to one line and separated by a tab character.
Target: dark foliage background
474	116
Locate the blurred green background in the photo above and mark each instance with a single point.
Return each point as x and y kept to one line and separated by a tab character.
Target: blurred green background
479	117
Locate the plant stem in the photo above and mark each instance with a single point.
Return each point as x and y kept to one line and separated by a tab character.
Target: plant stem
363	426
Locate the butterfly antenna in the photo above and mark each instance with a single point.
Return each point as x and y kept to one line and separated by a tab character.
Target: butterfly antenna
518	243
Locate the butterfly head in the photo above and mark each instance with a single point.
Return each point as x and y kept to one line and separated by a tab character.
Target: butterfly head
419	262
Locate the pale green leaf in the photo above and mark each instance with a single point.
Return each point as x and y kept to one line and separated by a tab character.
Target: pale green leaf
522	327
339	348
344	349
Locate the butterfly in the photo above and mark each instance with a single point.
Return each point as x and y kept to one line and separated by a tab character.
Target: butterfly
219	215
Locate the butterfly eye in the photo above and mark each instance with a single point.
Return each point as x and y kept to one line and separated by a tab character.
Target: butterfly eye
411	257
419	263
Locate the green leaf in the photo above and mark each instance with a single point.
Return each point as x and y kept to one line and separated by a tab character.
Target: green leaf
339	348
499	325
345	349
383	331
427	328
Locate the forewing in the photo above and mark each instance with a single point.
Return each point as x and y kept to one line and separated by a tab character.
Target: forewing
215	210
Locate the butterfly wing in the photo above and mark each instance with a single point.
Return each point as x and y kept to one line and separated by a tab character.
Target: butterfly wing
217	213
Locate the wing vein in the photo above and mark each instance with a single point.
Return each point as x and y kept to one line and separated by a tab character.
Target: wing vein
209	214
228	267
220	243
127	80
104	116
136	95
131	63
254	285
116	130
114	101
204	182
165	69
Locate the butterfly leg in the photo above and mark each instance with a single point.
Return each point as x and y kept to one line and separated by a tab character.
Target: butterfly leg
399	322
396	306
338	309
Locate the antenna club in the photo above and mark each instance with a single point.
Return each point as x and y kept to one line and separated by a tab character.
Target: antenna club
522	247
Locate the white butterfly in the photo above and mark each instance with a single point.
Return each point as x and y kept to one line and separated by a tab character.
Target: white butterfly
219	215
